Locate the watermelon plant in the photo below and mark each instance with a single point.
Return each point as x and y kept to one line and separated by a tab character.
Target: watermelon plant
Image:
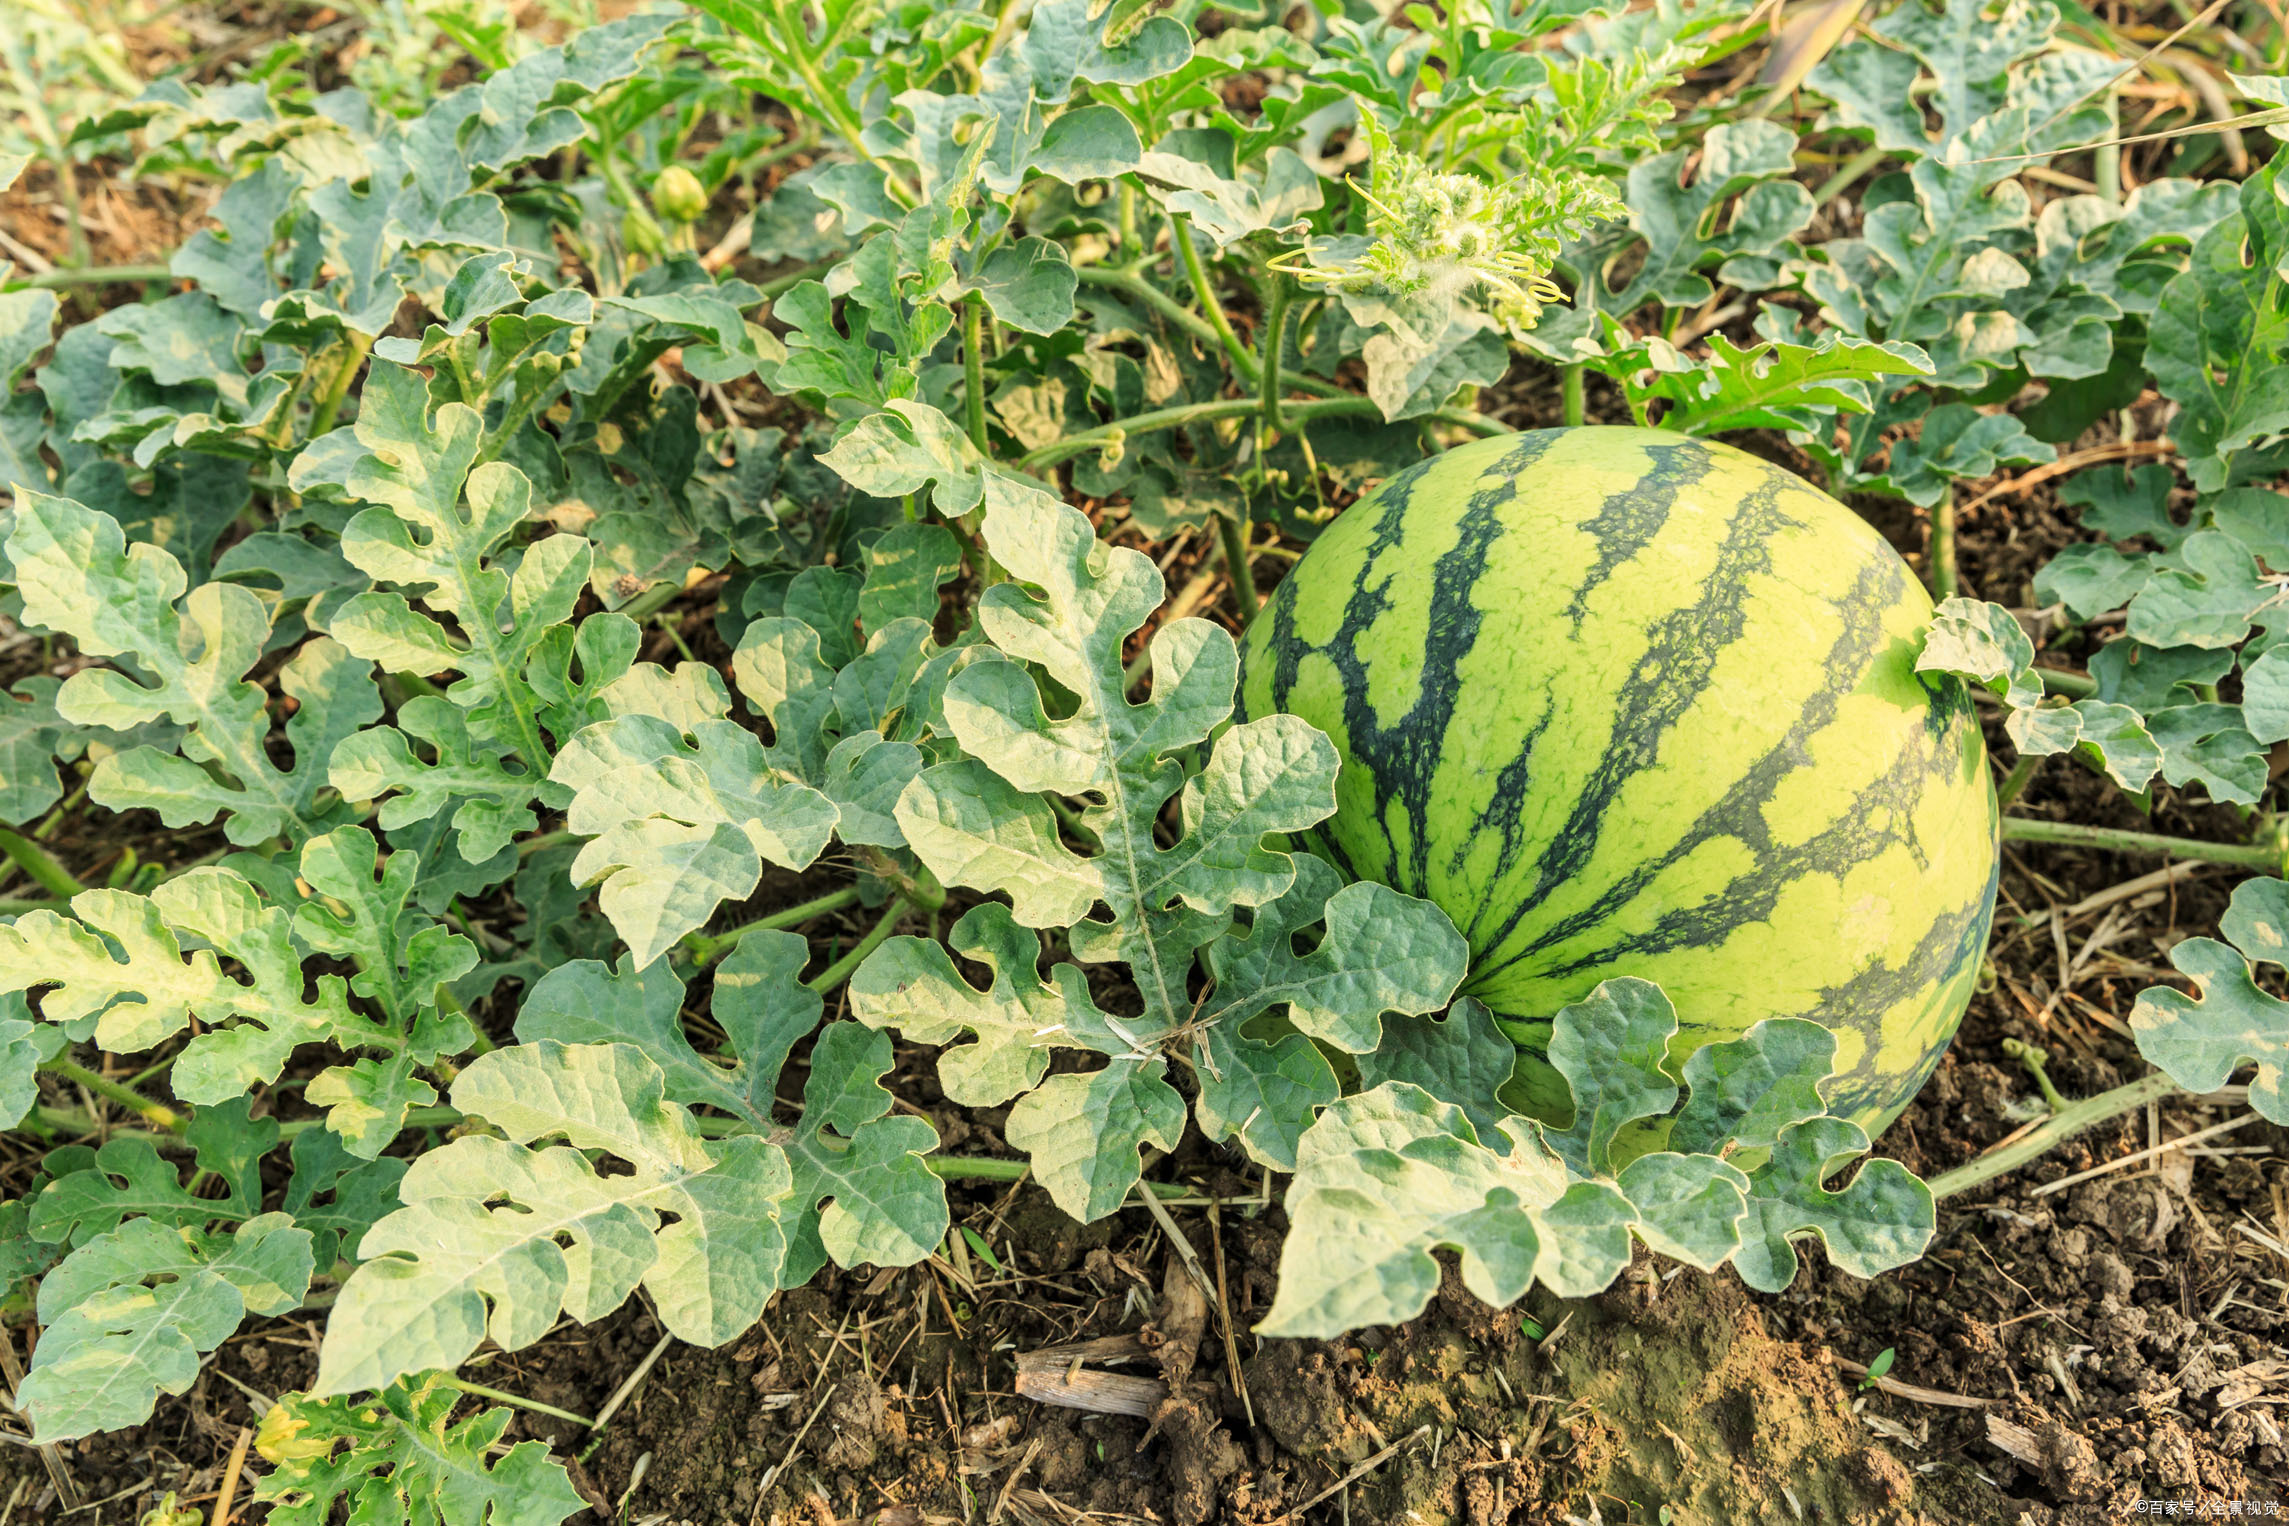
588	721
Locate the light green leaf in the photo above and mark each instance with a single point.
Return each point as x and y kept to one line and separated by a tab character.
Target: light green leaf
2206	745
1985	643
1882	1220
911	984
1390	1175
94	1190
1084	1132
2206	596
1264	1093
1612	1047
1462	1058
1744	1091
1689	1207
1381	952
488	799
1029	285
416	466
862	1192
130	1313
25	1042
678	826
2114	737
1772	385
2091	579
153	986
2218	341
498	1238
79	576
2200	1040
1265	776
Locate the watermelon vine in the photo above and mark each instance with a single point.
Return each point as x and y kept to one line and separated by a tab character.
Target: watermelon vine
521	958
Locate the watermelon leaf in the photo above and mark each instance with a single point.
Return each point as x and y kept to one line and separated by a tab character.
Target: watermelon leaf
1882	1220
996	820
130	1313
1985	643
80	576
1389	1175
2199	1040
861	1191
1462	1058
1770	385
498	1238
400	1457
25	1042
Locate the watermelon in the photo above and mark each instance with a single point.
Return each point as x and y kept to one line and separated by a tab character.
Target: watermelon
1627	703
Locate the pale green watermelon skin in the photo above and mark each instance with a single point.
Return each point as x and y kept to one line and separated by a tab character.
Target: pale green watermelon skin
1628	703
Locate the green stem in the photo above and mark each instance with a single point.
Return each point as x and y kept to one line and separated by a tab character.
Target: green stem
2072	685
986	1168
1275	337
839	971
1233	530
1180	234
1129	284
2055	1131
2106	159
1846	174
157	1114
502	1396
40	864
1944	579
1350	404
92	275
2016	779
338	386
706	950
1570	396
2261	857
974	369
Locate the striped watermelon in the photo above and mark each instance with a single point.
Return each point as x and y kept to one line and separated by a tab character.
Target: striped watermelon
1627	703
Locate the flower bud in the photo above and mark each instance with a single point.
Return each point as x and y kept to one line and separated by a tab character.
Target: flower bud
641	232
678	196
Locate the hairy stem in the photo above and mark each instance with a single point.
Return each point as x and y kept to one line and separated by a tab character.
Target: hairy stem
502	1396
1180	233
1275	337
1945	581
1570	395
2053	1132
1350	404
40	864
2016	779
2072	685
2266	858
1232	529
93	275
706	950
157	1114
839	971
974	369
338	385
